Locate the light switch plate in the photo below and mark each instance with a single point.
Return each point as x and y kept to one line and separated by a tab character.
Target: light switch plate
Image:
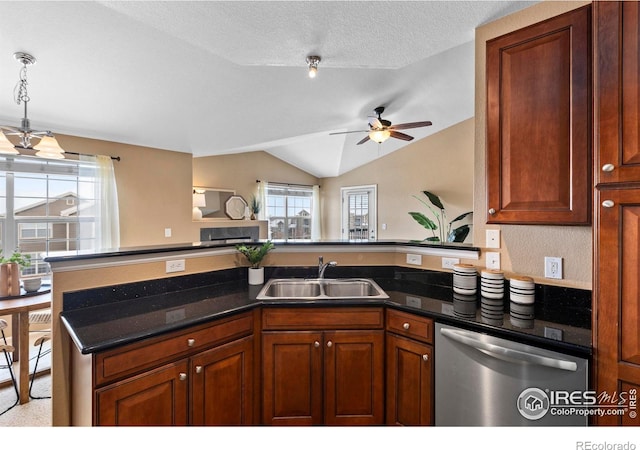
492	239
492	260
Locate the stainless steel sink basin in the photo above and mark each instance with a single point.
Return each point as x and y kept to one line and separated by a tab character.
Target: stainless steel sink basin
321	289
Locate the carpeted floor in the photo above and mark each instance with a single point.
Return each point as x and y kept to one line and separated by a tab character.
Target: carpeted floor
36	413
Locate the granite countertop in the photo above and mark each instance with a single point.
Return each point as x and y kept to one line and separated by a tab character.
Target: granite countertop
107	325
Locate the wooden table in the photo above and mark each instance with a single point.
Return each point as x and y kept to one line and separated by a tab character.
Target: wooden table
18	308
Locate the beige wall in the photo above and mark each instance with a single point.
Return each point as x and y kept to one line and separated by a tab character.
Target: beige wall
240	171
524	247
441	163
154	190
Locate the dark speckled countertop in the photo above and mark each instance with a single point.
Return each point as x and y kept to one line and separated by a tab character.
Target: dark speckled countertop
95	325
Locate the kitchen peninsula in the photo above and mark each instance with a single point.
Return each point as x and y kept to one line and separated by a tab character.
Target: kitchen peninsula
121	298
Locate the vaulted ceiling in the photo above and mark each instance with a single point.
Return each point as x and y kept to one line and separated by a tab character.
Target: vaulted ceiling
218	77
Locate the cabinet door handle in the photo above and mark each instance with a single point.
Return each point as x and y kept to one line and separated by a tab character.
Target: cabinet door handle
182	376
406	325
198	369
191	342
329	344
425	357
608	203
316	344
492	211
608	168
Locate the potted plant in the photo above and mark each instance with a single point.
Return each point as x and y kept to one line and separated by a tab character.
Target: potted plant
10	269
254	207
458	234
255	254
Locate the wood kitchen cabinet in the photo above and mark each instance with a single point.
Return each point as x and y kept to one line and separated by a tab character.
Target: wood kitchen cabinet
200	376
323	366
539	96
409	366
617	203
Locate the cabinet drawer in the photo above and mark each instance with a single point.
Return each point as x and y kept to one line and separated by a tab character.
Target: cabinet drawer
124	361
343	318
410	325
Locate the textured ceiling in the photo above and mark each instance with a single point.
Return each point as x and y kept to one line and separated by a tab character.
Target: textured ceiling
213	77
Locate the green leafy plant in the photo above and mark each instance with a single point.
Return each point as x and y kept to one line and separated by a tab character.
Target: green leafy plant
255	253
17	257
458	234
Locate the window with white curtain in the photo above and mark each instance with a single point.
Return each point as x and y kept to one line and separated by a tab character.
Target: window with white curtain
290	210
48	208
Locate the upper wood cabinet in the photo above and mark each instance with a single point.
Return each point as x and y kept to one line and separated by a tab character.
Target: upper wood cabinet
617	92
539	123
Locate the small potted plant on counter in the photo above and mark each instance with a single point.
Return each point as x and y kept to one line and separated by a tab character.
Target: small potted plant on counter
255	254
10	269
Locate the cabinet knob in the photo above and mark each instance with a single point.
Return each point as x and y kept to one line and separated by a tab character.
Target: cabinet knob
492	211
198	369
608	168
425	357
406	325
329	344
182	376
191	342
316	344
608	203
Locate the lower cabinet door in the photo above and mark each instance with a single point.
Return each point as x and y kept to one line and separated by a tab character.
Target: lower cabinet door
409	382
354	377
222	385
292	378
157	397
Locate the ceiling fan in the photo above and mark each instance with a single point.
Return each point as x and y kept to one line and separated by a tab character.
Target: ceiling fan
380	129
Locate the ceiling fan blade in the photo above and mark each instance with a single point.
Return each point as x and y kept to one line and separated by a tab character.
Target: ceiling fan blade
398	135
364	139
345	132
406	126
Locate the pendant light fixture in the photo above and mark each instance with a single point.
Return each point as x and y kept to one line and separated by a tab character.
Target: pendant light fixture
47	147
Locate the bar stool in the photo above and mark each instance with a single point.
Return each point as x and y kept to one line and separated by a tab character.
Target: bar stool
6	349
42	317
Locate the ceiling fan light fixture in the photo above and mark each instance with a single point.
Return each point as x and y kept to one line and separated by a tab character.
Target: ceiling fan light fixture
49	148
379	136
6	147
312	62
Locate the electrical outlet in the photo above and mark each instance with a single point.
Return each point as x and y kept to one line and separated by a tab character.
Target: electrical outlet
553	267
167	232
176	265
413	301
414	259
448	263
175	315
492	239
492	260
553	333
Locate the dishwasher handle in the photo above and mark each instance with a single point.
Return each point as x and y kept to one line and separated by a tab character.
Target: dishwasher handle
499	351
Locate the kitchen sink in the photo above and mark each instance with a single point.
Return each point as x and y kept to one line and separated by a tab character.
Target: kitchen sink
321	289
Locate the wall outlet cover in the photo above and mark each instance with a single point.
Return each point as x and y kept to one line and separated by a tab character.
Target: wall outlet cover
448	263
492	239
414	259
553	267
175	265
492	260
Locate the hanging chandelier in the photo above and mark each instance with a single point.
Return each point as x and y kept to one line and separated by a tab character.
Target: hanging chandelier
47	147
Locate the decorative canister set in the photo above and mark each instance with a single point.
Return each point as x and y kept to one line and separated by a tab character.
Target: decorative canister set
521	296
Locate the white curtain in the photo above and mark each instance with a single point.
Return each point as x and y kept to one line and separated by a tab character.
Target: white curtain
105	200
261	195
316	222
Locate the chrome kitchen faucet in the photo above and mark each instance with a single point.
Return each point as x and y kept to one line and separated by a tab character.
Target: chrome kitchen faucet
322	266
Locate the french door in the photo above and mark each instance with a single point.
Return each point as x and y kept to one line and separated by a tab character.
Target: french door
359	216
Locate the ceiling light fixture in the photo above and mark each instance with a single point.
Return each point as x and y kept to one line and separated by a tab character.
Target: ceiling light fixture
379	136
48	146
313	62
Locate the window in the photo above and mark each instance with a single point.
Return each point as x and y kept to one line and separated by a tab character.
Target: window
289	209
46	209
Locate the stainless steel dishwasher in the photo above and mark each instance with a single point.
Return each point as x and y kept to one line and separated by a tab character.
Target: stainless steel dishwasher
485	380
